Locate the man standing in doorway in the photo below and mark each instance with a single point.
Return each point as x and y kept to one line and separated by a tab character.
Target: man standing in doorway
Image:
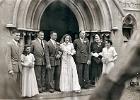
14	64
82	59
38	49
53	67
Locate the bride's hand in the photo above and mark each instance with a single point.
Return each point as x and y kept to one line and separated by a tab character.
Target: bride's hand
31	65
69	53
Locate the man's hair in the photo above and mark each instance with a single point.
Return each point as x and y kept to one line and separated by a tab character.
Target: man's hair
39	32
15	31
96	34
51	32
81	32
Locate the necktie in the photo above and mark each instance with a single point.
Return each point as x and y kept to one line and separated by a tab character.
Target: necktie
42	44
55	44
82	41
18	44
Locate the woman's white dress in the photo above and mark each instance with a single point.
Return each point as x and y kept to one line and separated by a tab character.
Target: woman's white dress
69	78
29	83
111	55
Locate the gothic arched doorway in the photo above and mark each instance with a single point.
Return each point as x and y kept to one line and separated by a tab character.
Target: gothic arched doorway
59	18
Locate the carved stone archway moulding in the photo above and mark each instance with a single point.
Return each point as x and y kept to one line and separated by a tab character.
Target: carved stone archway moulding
92	15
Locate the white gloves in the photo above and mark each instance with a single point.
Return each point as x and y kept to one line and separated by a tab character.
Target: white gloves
95	54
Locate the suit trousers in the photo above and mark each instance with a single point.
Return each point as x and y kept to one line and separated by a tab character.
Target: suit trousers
13	87
40	72
83	74
53	77
18	79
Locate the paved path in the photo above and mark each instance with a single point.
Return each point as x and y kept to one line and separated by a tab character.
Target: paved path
131	95
128	94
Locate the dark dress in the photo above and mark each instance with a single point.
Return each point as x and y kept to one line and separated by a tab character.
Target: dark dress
96	62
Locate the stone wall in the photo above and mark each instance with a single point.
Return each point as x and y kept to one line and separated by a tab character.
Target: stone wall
6	15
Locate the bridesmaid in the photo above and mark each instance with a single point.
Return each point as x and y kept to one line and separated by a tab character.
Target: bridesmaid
109	57
29	83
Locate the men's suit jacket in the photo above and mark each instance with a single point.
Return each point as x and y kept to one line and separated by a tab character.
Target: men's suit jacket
53	52
14	57
82	51
39	52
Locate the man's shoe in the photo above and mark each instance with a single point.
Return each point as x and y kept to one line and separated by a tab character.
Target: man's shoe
40	90
90	85
58	90
51	90
86	86
93	83
44	90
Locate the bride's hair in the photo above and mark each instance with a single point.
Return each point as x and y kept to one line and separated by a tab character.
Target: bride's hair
63	38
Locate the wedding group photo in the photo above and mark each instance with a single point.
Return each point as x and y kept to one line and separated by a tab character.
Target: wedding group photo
58	66
70	49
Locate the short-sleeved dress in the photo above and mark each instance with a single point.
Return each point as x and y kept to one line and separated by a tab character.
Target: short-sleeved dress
29	83
108	53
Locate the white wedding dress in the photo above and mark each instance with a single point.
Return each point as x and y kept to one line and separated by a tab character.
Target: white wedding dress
69	78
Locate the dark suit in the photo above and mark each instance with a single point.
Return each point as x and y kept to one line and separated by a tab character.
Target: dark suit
40	63
53	75
14	63
81	58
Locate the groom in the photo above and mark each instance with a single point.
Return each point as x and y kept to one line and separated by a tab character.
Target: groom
53	67
82	56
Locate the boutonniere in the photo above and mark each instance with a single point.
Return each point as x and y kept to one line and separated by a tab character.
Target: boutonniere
85	41
57	43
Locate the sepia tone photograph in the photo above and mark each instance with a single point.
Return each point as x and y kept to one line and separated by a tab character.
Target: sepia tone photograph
70	49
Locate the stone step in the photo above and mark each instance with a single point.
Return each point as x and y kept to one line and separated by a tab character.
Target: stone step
48	95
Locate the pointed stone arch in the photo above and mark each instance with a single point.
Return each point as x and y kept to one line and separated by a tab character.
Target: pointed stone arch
92	15
129	24
130	20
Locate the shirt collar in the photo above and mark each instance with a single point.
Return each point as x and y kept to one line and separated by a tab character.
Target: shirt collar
39	40
15	42
53	41
66	44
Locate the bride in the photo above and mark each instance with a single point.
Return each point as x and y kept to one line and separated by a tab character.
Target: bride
69	78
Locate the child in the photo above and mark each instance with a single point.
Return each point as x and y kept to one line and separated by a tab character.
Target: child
29	83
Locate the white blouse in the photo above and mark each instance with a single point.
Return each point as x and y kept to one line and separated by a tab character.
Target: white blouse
109	53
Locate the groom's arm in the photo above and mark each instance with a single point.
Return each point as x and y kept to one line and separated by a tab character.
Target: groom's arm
75	44
47	57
